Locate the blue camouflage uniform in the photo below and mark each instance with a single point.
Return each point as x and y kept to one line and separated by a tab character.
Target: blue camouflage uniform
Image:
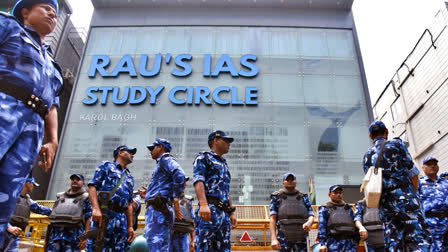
25	63
106	176
212	170
167	181
181	242
287	245
11	243
359	212
66	238
434	200
325	239
400	209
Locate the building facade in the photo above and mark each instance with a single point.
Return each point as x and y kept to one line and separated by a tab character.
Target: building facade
413	104
285	78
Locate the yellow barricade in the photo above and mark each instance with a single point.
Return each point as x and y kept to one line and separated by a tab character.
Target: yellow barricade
253	219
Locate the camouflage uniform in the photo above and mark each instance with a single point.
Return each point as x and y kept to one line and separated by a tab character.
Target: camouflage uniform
400	209
106	176
325	239
167	181
181	242
286	245
66	238
11	242
27	64
359	212
212	170
434	200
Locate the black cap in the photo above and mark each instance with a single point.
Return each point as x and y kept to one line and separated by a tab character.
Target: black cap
125	148
219	134
335	187
79	176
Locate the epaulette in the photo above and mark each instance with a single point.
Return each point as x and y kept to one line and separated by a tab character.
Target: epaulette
444	175
5	14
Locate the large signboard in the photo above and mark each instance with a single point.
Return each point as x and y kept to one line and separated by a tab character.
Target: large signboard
292	98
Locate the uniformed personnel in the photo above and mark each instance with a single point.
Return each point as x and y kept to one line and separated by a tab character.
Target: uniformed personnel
433	191
112	185
69	218
21	216
291	215
30	83
336	229
182	239
162	195
211	179
370	226
400	210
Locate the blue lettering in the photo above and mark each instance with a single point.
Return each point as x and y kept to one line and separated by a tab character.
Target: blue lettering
244	61
98	63
105	93
190	95
172	95
224	65
154	93
216	95
251	96
235	100
155	67
93	97
123	99
133	98
126	65
187	67
207	65
202	93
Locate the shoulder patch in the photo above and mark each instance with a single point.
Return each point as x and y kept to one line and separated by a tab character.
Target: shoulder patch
276	193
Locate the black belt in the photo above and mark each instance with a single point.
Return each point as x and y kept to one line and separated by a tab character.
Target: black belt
149	202
219	204
31	100
439	215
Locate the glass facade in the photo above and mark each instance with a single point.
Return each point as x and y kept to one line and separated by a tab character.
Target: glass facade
311	116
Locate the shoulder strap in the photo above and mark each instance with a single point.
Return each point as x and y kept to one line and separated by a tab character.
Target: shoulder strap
379	159
117	185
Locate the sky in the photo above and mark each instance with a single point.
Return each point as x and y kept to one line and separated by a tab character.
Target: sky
387	32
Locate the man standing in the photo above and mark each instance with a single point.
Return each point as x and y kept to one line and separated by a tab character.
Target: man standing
336	231
433	192
21	216
291	214
30	82
405	228
167	182
184	228
110	194
215	214
71	212
371	229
